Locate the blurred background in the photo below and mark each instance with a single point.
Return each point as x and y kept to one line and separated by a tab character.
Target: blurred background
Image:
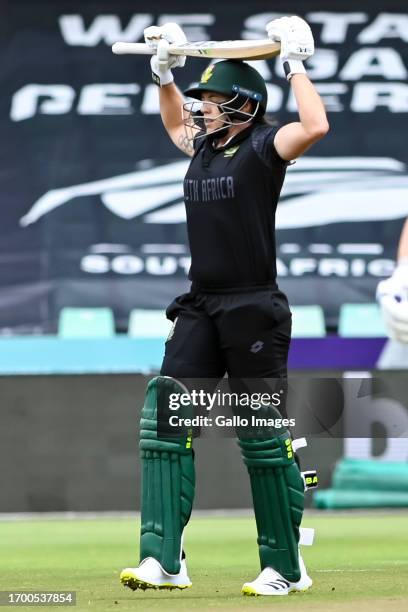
93	244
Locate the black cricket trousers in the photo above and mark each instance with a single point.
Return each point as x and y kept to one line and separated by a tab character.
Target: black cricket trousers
245	334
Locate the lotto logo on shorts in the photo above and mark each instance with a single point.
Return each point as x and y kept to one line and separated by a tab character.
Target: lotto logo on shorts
257	346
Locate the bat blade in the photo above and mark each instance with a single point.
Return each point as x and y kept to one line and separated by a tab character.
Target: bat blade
212	49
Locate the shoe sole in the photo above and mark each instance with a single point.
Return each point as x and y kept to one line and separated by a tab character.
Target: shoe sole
302	589
251	591
134	583
247	590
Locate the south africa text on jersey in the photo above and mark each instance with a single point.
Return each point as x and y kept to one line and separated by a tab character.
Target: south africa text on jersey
209	190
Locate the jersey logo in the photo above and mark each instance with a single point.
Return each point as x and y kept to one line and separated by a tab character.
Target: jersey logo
231	152
207	74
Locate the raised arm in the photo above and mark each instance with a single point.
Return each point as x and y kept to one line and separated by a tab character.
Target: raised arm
170	97
171	111
402	256
297	44
392	293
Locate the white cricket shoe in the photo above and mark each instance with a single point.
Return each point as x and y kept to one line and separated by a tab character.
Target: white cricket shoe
270	582
150	575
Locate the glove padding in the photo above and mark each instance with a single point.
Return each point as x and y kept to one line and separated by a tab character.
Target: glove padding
294	35
392	295
159	38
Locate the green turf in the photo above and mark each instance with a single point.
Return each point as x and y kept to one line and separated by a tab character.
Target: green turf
356	558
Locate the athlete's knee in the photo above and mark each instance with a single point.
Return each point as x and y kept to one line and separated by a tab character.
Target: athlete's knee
179	369
163	396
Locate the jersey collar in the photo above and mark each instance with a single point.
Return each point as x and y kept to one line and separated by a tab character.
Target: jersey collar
242	135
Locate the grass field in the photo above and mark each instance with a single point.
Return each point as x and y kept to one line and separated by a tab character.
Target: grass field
358	561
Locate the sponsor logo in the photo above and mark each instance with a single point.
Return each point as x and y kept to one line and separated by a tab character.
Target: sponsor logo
289	449
310	479
257	346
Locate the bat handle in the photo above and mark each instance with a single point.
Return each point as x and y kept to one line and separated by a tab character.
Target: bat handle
163	53
124	48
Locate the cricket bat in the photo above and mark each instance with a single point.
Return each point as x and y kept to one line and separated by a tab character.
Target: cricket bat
213	49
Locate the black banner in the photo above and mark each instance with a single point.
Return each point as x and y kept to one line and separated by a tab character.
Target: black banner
91	186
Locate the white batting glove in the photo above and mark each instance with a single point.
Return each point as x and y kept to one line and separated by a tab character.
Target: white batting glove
162	62
296	39
392	295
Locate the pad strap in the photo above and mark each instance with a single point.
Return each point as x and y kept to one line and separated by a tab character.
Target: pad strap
306	536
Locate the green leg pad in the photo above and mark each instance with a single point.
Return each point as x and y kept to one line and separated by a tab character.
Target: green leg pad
278	496
168	481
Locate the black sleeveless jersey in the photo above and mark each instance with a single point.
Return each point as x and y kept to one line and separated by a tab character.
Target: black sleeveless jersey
231	194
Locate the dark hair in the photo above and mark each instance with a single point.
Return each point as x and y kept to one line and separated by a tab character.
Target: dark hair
266	120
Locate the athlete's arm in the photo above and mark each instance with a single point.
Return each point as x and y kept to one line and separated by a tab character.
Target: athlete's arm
295	138
171	111
403	244
297	44
170	98
392	293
